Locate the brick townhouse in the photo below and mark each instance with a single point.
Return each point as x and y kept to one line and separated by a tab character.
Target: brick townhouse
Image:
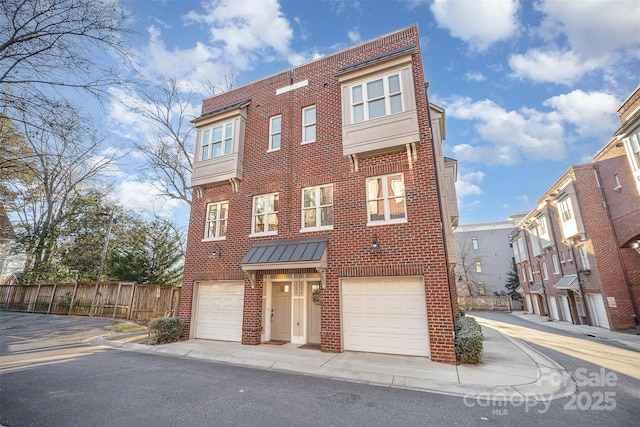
322	209
578	252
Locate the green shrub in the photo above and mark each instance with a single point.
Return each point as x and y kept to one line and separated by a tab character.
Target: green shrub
165	329
468	340
462	312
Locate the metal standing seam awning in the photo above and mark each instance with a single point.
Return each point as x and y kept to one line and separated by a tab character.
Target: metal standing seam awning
537	289
569	282
286	254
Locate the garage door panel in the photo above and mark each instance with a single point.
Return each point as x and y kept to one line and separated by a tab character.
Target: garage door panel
219	311
385	316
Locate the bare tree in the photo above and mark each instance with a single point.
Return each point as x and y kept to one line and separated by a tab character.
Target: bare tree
65	162
168	155
169	108
48	47
465	265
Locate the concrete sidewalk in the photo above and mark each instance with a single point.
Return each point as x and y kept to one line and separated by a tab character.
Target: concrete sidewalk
510	370
628	339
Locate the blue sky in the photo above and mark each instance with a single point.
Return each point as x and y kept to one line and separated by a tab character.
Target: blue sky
529	87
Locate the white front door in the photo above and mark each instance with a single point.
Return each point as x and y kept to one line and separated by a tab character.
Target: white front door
566	311
218	311
385	315
536	305
553	309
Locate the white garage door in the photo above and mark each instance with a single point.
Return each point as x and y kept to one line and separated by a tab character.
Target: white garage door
219	311
598	311
385	315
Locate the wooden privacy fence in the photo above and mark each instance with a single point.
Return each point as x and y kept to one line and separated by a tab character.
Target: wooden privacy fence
493	302
130	301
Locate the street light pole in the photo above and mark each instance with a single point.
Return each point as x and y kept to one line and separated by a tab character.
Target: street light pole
102	258
106	245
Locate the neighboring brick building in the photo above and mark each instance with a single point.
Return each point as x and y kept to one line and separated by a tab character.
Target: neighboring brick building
578	252
318	216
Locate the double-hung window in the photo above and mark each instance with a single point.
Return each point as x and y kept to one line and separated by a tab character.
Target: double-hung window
478	266
265	214
584	258
474	242
385	199
275	133
565	209
556	266
309	124
216	223
216	141
545	271
376	98
317	207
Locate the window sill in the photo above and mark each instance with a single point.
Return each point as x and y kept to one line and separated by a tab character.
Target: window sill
389	222
307	142
214	239
272	150
270	233
310	229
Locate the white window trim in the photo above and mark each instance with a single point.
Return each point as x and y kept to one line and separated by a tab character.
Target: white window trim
206	224
556	266
565	206
316	188
584	258
474	243
478	265
210	129
387	97
271	133
385	197
306	125
545	271
265	214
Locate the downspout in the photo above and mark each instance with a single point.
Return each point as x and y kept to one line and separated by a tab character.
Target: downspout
603	196
580	283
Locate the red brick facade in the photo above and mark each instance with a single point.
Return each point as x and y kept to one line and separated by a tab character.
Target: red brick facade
607	203
414	248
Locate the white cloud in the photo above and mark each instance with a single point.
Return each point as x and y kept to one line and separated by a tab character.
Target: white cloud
142	196
594	27
191	65
509	134
354	36
551	66
474	77
480	22
468	184
593	113
244	28
581	37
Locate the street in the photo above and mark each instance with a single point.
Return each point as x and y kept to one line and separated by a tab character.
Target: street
51	374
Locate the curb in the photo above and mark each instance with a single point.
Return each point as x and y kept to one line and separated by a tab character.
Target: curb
544	388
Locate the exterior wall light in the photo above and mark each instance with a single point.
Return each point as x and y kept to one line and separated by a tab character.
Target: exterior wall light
217	252
375	245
